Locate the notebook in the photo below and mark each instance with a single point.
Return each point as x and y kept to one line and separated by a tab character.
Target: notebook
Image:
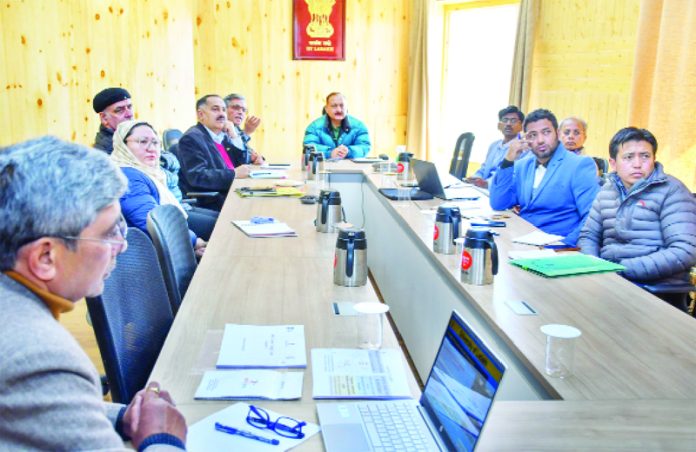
450	415
567	265
429	181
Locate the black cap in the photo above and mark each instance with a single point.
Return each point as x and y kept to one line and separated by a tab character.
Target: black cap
109	96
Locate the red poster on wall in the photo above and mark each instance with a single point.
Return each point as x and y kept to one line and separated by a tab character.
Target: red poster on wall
319	29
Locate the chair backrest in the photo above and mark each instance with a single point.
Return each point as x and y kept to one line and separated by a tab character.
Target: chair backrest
460	157
171	137
131	318
602	165
169	232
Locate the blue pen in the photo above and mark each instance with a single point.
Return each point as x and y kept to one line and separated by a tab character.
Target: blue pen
471	198
491	224
235	431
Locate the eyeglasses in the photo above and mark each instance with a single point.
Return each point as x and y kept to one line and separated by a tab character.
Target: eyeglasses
241	108
146	142
120	230
509	120
284	426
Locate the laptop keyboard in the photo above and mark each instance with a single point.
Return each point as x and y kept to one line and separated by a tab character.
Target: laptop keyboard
394	426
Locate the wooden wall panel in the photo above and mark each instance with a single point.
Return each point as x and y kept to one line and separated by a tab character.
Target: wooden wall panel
245	46
583	64
57	54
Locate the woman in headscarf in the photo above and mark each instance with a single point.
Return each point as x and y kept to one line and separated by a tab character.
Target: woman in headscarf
137	151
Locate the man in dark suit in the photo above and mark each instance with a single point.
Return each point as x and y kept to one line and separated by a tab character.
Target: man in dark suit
209	162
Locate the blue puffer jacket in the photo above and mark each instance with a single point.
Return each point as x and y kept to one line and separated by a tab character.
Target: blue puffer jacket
652	231
353	135
140	198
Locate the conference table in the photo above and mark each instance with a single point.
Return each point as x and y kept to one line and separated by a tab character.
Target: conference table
632	384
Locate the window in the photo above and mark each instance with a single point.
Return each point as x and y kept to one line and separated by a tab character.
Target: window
479	42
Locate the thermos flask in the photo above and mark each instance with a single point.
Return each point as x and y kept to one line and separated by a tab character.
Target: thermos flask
447	225
328	211
479	260
315	166
350	260
403	166
307	149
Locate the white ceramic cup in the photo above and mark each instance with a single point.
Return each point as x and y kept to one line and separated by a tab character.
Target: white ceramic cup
560	349
370	324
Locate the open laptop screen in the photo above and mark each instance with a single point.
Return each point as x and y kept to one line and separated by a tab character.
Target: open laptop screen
462	384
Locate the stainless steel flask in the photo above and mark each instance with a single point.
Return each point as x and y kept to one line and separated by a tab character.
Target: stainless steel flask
447	228
329	211
307	149
350	260
315	165
479	260
403	166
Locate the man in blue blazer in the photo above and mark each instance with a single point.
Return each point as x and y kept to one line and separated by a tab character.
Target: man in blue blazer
554	188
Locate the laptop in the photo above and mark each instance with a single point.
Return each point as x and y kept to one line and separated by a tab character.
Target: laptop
450	415
429	181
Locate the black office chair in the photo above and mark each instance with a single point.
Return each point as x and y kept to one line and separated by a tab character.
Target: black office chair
206	199
676	295
170	137
169	232
460	157
131	318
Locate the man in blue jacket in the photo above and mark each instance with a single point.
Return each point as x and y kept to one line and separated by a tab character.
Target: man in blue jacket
336	134
555	190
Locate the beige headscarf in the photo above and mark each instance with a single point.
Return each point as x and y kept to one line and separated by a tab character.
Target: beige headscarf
124	157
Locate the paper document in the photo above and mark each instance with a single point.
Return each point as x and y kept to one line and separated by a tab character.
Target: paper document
539	238
530	254
202	436
265	346
358	374
368	160
265	230
567	264
268	192
268	174
250	384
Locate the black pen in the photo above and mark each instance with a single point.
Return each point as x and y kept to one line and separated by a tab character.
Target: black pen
235	431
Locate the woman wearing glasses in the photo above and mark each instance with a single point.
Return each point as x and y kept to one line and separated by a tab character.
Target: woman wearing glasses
137	151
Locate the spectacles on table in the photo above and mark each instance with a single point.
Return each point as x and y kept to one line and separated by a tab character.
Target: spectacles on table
284	425
120	229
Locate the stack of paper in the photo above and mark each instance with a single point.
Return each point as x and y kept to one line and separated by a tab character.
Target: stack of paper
262	346
538	238
250	384
265	230
246	192
358	374
202	435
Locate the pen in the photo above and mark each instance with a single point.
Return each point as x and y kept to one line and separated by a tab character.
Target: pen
473	198
235	431
491	224
260	174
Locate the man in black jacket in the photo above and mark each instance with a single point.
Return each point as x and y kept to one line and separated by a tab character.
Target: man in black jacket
114	107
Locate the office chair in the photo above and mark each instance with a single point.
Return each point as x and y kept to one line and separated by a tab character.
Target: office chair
170	137
131	318
676	295
204	198
460	157
169	232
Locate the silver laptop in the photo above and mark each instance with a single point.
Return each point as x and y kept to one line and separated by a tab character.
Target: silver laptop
451	412
429	180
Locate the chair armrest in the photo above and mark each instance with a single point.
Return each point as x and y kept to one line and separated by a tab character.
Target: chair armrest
202	194
668	288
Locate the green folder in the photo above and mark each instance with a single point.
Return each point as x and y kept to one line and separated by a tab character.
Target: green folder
567	265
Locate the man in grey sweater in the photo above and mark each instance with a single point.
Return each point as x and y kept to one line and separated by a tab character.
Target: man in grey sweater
643	218
60	233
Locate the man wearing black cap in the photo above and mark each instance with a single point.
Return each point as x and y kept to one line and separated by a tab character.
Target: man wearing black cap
114	106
